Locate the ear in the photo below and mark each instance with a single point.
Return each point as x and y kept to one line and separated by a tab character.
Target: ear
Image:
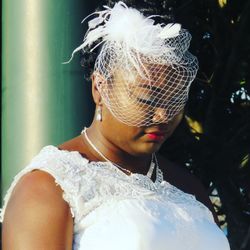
98	82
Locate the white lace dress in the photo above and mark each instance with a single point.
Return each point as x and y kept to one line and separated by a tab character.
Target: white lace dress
114	211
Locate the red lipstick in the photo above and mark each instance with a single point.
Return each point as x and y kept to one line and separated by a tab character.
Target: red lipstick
155	136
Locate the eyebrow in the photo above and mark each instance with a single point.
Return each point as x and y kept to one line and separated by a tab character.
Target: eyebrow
150	87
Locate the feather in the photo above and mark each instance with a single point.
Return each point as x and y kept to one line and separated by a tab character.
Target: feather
129	28
171	30
95	22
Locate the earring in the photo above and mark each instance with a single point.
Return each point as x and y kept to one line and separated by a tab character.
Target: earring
99	113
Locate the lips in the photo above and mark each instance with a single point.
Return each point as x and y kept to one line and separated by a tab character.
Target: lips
156	132
156	135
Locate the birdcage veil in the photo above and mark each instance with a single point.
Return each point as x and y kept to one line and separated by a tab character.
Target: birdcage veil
145	66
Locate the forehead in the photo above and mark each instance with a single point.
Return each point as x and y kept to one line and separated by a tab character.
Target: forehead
151	76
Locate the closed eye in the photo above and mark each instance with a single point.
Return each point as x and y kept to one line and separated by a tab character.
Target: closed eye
151	102
145	101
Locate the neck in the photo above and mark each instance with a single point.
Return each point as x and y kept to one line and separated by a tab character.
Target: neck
114	153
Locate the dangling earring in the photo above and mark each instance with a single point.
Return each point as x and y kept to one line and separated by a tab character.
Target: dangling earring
99	113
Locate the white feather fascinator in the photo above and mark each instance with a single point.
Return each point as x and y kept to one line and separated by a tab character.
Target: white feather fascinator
131	30
134	43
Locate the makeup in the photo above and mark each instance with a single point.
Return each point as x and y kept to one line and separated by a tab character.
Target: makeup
156	136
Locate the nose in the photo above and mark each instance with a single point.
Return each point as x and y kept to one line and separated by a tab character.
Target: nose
160	115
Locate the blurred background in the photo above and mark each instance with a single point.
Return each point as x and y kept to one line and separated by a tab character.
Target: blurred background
46	102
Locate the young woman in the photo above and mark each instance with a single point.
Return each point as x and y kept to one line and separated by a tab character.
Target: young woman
108	188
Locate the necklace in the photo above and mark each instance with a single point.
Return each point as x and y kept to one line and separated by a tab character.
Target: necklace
152	164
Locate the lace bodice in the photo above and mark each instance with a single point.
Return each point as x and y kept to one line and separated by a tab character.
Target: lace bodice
113	211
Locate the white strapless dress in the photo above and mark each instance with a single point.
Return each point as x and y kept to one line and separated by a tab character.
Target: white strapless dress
114	211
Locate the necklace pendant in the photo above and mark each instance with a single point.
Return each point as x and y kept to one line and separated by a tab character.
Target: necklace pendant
151	169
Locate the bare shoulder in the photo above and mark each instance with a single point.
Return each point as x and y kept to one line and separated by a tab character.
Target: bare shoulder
36	215
186	181
179	176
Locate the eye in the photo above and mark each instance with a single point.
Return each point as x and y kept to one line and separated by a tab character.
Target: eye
178	99
141	96
145	97
147	101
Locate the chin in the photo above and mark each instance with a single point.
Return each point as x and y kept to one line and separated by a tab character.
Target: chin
148	148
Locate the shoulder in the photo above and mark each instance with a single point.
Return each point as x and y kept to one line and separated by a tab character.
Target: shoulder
75	144
181	178
37	189
38	183
35	201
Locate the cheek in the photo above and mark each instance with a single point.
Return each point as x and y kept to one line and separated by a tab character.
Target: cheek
118	132
127	109
176	121
113	126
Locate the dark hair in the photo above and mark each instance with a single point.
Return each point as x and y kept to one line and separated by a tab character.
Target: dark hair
148	7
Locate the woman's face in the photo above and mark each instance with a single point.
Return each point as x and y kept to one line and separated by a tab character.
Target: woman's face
137	140
133	104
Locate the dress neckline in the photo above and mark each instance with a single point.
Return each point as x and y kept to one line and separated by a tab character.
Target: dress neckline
136	177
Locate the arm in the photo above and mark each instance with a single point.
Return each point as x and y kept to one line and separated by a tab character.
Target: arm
201	195
36	216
